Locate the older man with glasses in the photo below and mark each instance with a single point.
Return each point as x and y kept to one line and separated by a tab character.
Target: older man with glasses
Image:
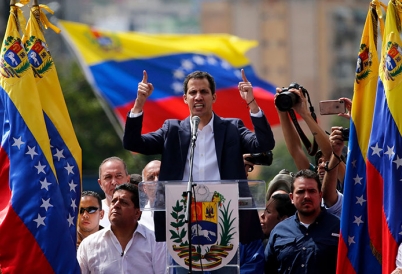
90	215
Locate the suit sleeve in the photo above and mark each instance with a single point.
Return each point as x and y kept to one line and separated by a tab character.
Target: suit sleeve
148	144
261	140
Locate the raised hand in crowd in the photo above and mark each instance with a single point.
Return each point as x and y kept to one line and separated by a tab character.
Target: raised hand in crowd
335	169
348	105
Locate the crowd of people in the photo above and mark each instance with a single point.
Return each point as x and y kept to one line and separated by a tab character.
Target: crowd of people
298	231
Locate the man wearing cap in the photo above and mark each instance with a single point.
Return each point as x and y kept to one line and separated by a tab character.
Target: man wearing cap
281	183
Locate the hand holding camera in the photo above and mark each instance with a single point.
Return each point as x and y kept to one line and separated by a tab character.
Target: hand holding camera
289	97
337	138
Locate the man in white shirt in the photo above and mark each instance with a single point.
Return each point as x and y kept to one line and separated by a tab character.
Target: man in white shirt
112	172
126	246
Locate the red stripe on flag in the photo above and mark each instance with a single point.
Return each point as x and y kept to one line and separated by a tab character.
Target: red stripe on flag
343	265
26	249
5	191
375	186
390	248
229	104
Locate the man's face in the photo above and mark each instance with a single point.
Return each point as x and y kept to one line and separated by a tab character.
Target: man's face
112	173
199	98
89	222
320	168
151	174
122	209
269	218
306	196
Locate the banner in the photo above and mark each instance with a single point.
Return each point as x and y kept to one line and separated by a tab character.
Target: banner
36	227
114	62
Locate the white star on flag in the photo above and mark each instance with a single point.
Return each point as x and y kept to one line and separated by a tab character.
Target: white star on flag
40	221
358	180
360	200
358	220
45	184
31	152
389	152
351	240
70	220
398	162
69	169
376	150
18	142
46	204
72	186
59	154
40	168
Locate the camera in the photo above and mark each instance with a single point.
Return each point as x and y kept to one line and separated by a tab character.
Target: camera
345	134
264	158
286	99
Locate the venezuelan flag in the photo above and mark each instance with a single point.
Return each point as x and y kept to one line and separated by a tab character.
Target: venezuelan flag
35	235
114	61
66	151
355	254
384	161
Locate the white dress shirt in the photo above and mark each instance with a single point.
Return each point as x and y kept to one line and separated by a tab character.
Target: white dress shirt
147	217
205	163
101	252
398	261
105	220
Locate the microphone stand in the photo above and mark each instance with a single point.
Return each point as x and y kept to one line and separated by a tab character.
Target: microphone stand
189	202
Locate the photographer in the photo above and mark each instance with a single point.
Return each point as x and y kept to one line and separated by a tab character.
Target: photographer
291	136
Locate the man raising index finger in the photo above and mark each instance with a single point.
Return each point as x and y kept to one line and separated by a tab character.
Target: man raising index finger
221	143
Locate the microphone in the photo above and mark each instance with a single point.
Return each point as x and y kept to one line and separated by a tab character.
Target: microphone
195	121
122	253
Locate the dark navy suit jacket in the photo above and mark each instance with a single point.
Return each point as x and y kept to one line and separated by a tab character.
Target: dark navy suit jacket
232	140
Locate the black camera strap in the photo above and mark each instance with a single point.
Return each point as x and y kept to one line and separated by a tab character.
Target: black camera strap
311	148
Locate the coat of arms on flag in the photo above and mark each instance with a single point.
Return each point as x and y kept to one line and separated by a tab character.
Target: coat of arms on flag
213	225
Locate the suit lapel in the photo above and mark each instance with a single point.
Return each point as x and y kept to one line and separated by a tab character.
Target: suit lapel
219	136
184	138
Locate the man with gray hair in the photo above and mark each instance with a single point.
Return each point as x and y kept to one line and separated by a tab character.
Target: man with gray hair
112	172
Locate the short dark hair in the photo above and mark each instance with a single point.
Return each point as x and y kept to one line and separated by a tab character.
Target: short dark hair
134	192
307	173
93	194
200	75
135	178
283	205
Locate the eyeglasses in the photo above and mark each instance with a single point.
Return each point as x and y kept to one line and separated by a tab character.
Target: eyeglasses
90	209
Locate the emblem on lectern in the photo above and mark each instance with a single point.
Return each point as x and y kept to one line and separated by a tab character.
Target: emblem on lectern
213	228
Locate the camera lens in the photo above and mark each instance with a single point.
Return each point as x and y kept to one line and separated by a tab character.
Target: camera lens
285	100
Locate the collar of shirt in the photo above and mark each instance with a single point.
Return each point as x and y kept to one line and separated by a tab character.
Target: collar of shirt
210	123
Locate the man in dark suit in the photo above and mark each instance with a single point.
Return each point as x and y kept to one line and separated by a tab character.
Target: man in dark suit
220	144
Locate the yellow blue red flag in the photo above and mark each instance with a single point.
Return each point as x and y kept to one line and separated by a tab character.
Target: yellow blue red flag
356	253
384	161
114	64
35	227
66	151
